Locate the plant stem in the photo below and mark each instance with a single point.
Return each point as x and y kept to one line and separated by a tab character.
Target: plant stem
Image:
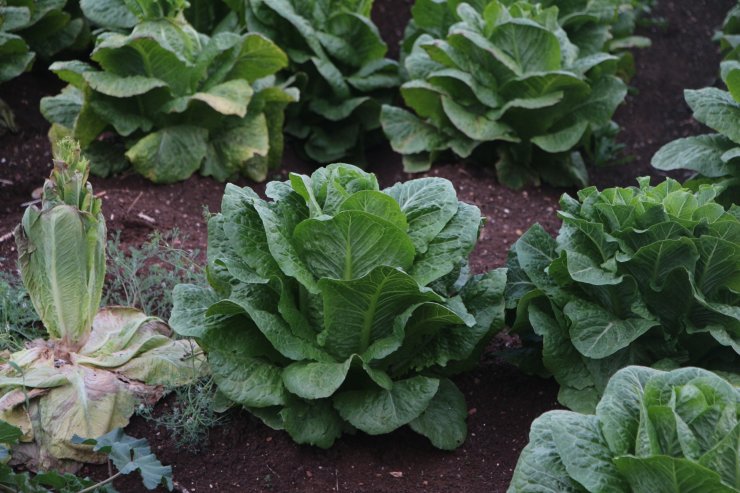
98	485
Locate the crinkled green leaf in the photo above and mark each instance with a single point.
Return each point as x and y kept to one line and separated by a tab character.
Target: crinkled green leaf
378	411
130	454
351	244
716	109
429	204
669	474
171	154
313	422
361	311
121	87
597	333
702	154
443	421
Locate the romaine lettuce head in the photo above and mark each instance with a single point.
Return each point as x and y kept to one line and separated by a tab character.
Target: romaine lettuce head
171	101
645	275
504	80
44	28
652	431
335	306
339	58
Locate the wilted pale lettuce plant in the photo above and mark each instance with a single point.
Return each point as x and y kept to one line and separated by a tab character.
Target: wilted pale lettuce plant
336	306
646	275
97	364
653	431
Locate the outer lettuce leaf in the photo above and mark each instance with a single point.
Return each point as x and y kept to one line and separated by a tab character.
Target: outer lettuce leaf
713	157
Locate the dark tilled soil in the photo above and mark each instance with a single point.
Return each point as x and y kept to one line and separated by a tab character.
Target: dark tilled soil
246	456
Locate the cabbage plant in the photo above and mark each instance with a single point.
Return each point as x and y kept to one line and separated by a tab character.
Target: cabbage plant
177	100
335	306
653	431
505	86
713	157
97	364
338	55
646	275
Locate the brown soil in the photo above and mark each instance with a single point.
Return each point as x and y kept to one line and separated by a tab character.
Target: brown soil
246	456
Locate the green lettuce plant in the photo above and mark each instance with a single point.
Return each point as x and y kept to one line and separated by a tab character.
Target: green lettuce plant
646	275
652	431
45	27
126	453
177	101
29	29
605	26
335	306
339	58
505	86
17	58
97	364
593	26
729	35
713	157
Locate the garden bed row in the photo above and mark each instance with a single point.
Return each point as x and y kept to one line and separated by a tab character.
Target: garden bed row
244	455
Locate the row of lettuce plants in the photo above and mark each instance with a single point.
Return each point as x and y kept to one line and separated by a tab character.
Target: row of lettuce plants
172	88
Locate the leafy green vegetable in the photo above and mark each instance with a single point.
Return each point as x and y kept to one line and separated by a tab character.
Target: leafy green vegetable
647	276
97	364
653	431
45	27
335	306
127	455
130	454
17	56
34	28
179	101
729	35
506	75
714	157
337	54
593	26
